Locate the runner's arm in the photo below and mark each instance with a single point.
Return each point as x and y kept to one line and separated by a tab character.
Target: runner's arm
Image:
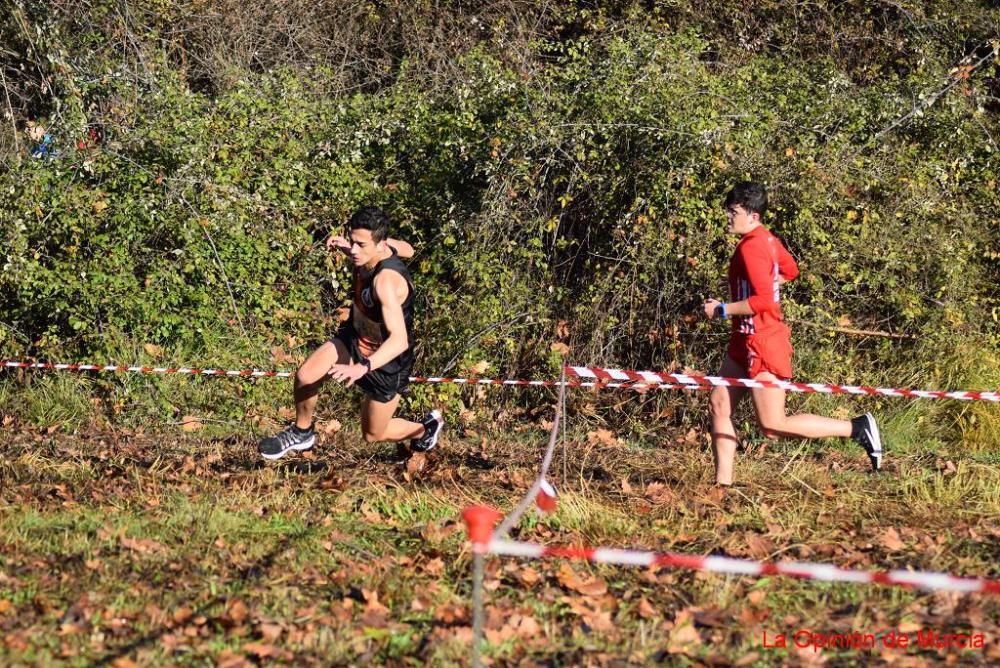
788	270
758	265
403	249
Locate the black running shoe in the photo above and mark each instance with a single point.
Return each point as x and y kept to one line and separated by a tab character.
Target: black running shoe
433	424
292	438
864	430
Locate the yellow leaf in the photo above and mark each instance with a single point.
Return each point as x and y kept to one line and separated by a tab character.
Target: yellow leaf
100	205
153	350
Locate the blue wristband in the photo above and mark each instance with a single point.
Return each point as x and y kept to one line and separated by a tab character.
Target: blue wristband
720	311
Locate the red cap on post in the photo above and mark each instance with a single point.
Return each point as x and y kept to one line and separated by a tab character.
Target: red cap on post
479	523
546	497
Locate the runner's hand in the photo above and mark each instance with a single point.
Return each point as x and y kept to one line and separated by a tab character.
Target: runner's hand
710	305
338	242
348	374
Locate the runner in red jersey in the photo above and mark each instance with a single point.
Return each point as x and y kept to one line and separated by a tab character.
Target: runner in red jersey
760	343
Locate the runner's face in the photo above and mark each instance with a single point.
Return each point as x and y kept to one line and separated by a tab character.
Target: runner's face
364	250
740	221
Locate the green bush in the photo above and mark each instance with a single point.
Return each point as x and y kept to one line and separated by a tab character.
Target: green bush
572	176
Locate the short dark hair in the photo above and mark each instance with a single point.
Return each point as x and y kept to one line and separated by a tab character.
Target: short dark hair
372	219
751	195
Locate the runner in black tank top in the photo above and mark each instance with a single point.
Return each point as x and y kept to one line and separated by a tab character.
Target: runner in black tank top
366	326
374	348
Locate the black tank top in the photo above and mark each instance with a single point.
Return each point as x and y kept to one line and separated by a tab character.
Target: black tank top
366	312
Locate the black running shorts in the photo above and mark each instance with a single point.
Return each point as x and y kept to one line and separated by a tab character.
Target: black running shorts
384	383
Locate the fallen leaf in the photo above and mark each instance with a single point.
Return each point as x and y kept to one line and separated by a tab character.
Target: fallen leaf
236	611
141	545
416	462
646	609
451	613
330	427
529	576
261	650
890	540
684	637
270	632
760	547
593	616
229	659
434	567
590	586
153	350
658	493
279	356
182	614
602	436
191	423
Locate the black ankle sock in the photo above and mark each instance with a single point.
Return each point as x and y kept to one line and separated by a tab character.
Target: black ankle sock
300	430
857	427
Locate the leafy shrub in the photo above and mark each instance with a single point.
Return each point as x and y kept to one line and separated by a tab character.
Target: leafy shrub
560	187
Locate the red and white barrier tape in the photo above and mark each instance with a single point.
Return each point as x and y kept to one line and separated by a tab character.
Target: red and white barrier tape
601	378
480	520
119	368
619	377
255	373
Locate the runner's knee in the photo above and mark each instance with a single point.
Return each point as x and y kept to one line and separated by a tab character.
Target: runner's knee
304	376
718	404
771	426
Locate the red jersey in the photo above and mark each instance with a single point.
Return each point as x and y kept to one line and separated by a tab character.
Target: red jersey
753	275
762	341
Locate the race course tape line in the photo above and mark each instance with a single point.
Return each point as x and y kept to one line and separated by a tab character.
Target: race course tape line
730	566
592	377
